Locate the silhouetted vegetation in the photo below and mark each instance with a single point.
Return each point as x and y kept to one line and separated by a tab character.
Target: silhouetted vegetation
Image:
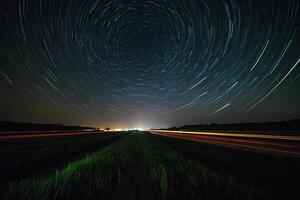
20	126
291	125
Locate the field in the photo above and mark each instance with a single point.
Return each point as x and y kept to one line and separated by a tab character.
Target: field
137	165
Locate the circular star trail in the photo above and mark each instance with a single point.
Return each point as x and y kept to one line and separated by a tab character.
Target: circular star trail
160	63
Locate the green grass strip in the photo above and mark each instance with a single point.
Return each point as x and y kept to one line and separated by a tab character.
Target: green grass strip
90	178
180	178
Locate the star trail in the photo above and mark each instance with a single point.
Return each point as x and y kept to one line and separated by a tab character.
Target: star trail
149	63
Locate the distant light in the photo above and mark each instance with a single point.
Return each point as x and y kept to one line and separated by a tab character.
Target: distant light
140	129
135	129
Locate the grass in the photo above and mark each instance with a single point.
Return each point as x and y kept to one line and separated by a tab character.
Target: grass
275	175
26	157
167	168
88	178
181	178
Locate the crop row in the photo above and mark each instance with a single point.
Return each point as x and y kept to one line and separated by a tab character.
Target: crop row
89	178
25	157
180	178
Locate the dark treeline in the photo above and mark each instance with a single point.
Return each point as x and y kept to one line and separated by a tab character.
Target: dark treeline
20	126
291	125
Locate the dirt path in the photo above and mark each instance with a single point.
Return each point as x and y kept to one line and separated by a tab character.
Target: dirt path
136	182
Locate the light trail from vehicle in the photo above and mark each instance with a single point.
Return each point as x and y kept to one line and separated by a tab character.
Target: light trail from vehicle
248	135
8	137
264	143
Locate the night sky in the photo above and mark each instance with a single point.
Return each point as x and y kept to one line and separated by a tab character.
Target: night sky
149	64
